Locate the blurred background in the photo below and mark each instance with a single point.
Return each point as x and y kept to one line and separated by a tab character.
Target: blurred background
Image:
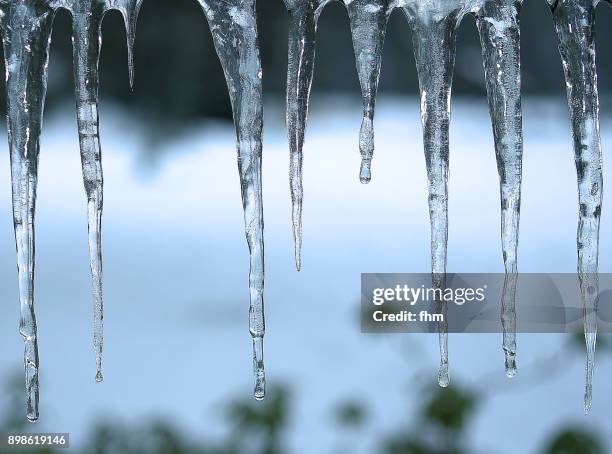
177	352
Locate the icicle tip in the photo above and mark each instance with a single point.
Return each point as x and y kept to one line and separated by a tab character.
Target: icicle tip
511	368
258	368
588	399
365	173
443	375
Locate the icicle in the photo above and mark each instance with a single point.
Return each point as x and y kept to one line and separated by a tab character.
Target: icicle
233	25
303	17
129	9
574	21
87	16
26	36
498	25
368	25
86	40
434	34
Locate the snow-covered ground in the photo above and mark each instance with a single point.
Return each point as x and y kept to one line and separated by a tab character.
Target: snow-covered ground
176	264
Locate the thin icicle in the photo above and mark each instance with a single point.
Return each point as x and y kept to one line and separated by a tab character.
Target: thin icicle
129	9
498	25
368	20
434	34
87	16
86	39
26	31
234	30
575	21
303	17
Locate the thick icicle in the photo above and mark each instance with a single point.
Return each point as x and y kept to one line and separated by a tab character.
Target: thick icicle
303	17
575	21
26	28
369	26
234	30
498	25
434	35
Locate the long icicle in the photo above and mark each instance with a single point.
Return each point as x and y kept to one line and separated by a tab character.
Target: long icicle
434	37
87	17
498	26
368	20
575	24
303	17
234	30
26	36
86	42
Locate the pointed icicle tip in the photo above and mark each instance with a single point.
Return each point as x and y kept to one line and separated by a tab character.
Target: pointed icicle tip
298	254
130	18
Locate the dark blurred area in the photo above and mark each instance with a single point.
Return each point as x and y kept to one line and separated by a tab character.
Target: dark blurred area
178	76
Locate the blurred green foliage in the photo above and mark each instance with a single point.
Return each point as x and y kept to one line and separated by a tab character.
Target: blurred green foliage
440	426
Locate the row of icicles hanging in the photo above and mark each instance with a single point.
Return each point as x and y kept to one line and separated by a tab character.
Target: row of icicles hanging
26	31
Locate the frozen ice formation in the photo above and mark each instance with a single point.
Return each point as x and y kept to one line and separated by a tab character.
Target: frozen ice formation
303	17
26	27
234	30
26	31
575	25
434	24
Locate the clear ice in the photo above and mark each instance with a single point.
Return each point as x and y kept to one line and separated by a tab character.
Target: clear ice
26	31
234	29
368	19
575	25
498	27
434	24
26	36
303	18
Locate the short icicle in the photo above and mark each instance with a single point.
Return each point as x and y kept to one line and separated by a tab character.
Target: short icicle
129	9
498	25
434	36
368	20
575	21
234	30
26	28
303	17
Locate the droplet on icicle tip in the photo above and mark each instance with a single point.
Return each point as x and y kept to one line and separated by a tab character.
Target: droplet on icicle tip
99	377
258	363
510	364
365	174
443	375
